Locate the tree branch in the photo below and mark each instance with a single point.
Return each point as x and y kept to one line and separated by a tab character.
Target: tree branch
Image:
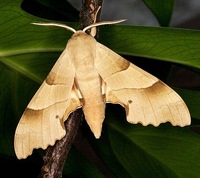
88	12
56	155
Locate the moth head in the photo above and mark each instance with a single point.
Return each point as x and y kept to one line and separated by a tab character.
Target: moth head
85	29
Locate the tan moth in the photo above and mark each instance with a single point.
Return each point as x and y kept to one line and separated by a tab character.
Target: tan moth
89	75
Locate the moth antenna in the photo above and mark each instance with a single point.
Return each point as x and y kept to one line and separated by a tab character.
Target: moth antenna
56	25
95	18
93	30
103	23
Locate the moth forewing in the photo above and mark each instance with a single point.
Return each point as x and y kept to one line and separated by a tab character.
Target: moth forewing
42	122
147	100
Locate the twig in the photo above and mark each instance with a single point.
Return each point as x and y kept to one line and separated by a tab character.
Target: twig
88	13
56	155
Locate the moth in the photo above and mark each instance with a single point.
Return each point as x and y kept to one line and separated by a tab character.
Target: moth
89	75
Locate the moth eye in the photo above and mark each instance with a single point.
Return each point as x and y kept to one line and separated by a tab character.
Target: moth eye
130	101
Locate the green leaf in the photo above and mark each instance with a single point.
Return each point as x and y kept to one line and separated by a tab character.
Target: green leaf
76	161
179	46
137	151
15	92
52	10
191	97
26	47
162	10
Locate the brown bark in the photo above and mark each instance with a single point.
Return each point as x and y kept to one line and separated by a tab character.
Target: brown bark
56	155
88	12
